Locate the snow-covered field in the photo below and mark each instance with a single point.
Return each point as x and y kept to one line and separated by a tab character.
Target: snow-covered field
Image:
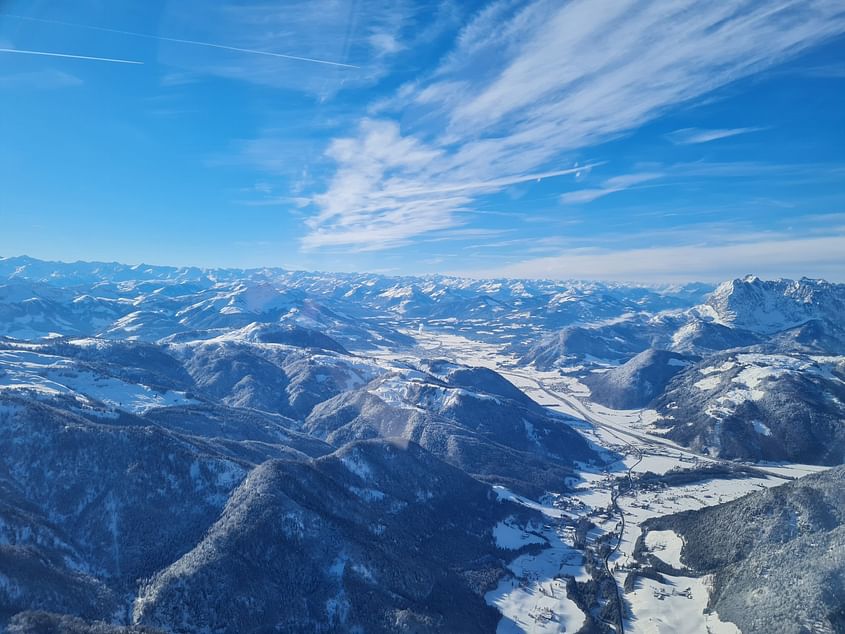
533	598
645	504
666	546
676	607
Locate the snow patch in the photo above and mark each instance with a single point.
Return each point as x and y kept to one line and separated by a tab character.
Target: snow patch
358	466
512	537
666	546
710	382
368	495
761	428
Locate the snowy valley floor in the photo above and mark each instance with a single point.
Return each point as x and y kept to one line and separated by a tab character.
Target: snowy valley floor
534	598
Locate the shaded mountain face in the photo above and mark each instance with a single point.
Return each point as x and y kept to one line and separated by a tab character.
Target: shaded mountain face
492	431
270	376
380	536
777	398
137	377
776	555
141	476
814	336
239	429
637	382
481	380
89	507
288	398
739	313
707	337
107	483
293	335
40	622
610	343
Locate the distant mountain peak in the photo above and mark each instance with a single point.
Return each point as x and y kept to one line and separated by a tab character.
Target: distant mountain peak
767	306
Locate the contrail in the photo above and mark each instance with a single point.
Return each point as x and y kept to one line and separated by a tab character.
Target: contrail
68	55
491	184
176	40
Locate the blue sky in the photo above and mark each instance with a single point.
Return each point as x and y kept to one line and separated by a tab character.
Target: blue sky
611	139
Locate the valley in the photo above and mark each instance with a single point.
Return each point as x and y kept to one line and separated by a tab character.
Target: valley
654	606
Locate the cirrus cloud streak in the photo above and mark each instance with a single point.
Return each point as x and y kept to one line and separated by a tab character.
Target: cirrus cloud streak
527	87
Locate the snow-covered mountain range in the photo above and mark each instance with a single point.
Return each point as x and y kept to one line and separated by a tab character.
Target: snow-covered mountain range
149	303
171	435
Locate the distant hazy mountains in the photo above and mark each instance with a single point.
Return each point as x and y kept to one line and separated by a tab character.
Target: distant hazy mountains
148	303
777	556
803	315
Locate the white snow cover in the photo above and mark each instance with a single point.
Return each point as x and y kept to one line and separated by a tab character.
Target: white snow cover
532	594
50	375
666	546
710	382
676	607
761	428
753	380
521	602
357	465
768	306
512	537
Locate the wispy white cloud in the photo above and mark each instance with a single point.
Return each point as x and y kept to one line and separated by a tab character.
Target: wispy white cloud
317	47
695	171
611	185
834	70
689	136
385	43
817	256
175	79
391	188
527	85
798	172
466	233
